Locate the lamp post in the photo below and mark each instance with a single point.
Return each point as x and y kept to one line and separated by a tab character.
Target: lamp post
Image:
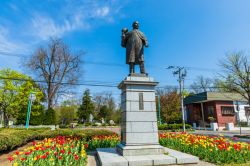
181	73
32	97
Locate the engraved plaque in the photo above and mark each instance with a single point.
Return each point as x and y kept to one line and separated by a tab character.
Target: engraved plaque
141	106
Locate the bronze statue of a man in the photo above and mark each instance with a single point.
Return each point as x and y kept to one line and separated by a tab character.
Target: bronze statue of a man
134	42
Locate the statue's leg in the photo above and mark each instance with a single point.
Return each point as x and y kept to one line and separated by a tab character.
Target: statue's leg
142	68
131	68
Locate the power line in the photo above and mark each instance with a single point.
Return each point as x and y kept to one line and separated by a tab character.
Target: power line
11	54
110	64
103	84
62	83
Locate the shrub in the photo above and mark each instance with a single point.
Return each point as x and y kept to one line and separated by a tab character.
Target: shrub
243	124
11	138
63	126
50	117
88	124
173	127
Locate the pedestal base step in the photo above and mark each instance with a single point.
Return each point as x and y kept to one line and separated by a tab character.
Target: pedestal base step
109	157
139	150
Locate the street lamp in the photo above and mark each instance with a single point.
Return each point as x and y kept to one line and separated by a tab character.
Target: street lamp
32	97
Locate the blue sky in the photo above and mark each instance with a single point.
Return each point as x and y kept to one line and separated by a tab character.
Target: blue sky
190	33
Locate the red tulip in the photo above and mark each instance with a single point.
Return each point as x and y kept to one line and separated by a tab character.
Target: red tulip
76	157
44	157
62	151
27	153
10	158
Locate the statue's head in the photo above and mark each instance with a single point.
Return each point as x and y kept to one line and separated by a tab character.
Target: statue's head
124	30
135	25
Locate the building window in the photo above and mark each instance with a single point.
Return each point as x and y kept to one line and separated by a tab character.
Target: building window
226	110
247	111
210	110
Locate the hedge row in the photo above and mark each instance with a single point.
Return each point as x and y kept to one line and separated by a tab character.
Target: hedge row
11	138
173	127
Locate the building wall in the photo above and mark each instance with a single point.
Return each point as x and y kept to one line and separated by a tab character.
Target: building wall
223	119
194	113
241	115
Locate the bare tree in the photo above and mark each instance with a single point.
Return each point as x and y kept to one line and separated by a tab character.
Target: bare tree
57	66
104	98
236	74
202	84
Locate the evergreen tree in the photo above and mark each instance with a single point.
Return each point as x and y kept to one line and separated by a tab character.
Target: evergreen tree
86	108
105	113
50	117
36	115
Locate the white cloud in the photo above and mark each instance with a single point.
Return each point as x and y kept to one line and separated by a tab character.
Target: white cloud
45	27
102	11
38	25
8	45
74	16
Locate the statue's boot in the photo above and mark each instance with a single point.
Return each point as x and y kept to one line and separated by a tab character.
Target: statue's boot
142	68
131	68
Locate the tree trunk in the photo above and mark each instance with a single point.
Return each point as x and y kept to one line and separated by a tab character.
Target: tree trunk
6	120
49	103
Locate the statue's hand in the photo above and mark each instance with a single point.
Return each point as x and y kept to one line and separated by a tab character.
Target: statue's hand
146	45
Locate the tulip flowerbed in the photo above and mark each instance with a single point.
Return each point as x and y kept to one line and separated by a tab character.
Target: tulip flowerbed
71	150
58	151
11	138
103	142
209	148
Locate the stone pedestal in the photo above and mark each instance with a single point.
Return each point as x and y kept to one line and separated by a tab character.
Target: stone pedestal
139	132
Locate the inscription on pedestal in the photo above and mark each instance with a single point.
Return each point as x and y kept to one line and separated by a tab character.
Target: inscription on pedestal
141	106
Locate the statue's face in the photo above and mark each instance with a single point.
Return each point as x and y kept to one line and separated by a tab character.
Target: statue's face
136	25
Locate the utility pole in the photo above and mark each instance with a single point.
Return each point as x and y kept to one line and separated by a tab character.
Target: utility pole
181	73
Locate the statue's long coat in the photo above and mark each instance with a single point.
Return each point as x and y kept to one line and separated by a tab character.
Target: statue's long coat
134	42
